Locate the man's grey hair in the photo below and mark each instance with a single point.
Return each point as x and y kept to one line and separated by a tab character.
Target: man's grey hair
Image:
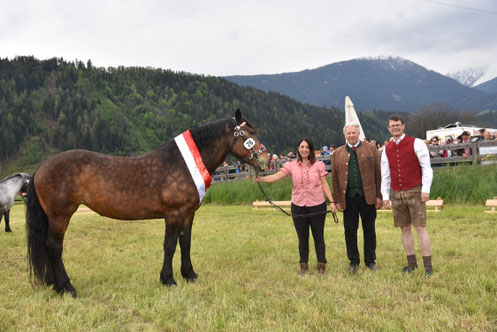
357	125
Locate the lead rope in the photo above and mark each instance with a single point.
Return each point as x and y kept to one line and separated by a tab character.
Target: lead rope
279	208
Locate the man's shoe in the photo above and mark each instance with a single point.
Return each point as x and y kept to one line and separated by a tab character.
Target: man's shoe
372	267
428	271
352	268
408	269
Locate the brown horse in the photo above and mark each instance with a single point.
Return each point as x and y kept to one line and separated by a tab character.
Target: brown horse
167	182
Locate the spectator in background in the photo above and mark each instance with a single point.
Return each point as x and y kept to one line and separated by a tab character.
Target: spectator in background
290	155
487	136
465	138
274	160
325	151
433	153
482	134
332	149
380	150
448	152
379	147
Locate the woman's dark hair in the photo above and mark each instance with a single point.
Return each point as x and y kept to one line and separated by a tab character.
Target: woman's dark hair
312	156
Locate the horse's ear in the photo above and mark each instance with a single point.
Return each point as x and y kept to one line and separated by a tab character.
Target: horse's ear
238	116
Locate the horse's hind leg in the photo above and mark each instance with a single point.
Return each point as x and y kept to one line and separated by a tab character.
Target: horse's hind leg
7	221
54	244
185	240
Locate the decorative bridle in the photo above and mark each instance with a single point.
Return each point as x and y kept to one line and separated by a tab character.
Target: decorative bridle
248	143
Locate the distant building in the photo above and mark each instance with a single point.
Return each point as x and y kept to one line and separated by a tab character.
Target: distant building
454	130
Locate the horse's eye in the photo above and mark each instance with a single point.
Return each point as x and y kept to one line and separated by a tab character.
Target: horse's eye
252	132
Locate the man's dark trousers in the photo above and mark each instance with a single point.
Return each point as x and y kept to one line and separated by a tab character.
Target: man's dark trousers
356	207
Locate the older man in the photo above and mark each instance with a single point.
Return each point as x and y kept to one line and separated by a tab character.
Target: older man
406	179
356	180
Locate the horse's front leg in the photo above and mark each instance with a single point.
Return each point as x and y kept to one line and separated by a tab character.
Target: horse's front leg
170	241
185	240
7	221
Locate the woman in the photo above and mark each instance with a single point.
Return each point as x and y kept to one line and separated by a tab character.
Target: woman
435	153
309	184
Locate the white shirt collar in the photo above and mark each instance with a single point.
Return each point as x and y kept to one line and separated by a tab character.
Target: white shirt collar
400	139
355	145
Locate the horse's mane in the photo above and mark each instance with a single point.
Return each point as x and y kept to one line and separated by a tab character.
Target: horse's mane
10	177
206	134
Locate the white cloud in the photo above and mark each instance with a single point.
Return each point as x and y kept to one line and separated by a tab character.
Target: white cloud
232	37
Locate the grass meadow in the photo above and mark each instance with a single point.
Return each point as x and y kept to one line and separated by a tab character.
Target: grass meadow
247	262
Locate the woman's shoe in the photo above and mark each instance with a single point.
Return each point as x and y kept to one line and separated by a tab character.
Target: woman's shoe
304	268
321	268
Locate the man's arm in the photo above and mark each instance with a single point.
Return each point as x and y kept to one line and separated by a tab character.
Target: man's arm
385	176
423	155
334	180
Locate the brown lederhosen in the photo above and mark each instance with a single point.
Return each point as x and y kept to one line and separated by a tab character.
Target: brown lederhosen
408	208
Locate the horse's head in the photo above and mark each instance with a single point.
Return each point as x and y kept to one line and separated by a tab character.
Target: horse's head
25	182
246	145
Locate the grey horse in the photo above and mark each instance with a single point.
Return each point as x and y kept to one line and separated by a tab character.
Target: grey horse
9	187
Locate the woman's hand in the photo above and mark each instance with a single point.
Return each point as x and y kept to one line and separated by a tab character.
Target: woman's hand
270	178
333	207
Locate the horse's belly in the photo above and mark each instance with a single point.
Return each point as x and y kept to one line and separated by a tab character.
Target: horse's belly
127	210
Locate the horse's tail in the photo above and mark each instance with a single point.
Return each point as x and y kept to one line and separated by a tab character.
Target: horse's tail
37	230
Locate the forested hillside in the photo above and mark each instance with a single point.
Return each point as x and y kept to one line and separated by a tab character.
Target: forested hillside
53	105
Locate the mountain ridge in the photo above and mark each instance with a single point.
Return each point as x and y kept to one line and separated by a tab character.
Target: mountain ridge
386	83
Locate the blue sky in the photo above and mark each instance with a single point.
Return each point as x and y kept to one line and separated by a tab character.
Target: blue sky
251	37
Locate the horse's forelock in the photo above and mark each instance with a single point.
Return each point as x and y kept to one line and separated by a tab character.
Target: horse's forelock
250	125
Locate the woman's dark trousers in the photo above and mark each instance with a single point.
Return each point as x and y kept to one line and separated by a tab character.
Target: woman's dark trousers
316	223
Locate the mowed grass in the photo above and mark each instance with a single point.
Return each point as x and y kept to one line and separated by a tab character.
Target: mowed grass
247	262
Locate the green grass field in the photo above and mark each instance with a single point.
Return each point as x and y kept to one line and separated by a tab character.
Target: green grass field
247	262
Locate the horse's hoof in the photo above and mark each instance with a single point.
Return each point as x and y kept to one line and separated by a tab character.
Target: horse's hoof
190	277
168	282
8	230
73	294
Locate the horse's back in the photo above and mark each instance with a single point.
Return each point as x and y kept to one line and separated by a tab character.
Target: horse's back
116	187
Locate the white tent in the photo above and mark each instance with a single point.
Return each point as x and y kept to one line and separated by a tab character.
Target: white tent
351	116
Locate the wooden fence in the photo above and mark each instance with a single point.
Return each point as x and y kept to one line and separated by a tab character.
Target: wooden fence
483	152
487	155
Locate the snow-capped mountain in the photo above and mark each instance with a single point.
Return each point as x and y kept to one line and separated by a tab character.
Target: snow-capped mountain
469	76
381	83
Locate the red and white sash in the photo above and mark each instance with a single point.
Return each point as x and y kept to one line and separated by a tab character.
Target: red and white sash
193	160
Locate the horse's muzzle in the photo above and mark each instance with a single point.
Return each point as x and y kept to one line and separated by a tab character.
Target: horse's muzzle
262	162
